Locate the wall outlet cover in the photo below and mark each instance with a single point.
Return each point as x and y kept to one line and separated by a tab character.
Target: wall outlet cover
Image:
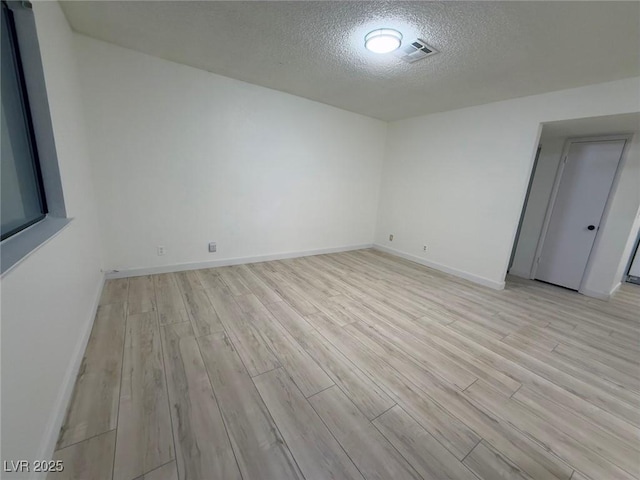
212	247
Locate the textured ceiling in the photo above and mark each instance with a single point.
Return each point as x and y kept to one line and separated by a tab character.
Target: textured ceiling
489	51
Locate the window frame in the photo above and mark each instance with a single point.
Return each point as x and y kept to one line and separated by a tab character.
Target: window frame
20	245
24	101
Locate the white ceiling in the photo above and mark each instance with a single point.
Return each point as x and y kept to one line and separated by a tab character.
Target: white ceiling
489	51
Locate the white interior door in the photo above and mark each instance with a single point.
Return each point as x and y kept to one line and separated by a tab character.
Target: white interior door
585	183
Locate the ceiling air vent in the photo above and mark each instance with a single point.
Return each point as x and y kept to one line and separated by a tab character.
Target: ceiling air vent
414	51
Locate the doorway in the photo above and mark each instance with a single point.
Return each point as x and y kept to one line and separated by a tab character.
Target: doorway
579	198
609	247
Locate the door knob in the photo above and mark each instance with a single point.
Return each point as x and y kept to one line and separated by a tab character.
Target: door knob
591	227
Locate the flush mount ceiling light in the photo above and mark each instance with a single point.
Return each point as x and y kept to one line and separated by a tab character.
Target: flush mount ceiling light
383	40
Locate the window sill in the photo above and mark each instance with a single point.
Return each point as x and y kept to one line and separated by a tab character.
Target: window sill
15	249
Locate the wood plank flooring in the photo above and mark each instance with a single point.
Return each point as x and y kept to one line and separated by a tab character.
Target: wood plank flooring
356	365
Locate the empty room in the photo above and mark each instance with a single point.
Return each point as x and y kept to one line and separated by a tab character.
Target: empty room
320	240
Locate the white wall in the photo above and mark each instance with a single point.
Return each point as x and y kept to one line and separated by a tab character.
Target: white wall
537	204
627	252
48	300
182	157
456	180
617	235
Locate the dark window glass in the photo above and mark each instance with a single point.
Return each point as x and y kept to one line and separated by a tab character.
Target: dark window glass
22	197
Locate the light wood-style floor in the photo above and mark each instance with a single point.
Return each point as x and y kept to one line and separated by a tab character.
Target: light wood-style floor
354	365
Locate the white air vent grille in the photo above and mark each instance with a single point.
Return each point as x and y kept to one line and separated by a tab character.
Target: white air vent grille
414	51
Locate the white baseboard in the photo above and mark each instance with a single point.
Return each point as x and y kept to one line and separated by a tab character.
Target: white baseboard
52	431
615	289
443	268
179	267
518	273
598	295
601	295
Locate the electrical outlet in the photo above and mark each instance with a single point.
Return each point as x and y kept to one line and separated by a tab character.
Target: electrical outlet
161	251
391	237
212	247
424	248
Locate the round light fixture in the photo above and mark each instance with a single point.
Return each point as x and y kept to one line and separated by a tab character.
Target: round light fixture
383	40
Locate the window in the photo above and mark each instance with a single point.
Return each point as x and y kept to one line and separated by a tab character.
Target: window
23	200
32	206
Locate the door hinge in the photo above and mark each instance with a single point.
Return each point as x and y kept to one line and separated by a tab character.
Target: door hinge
564	160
